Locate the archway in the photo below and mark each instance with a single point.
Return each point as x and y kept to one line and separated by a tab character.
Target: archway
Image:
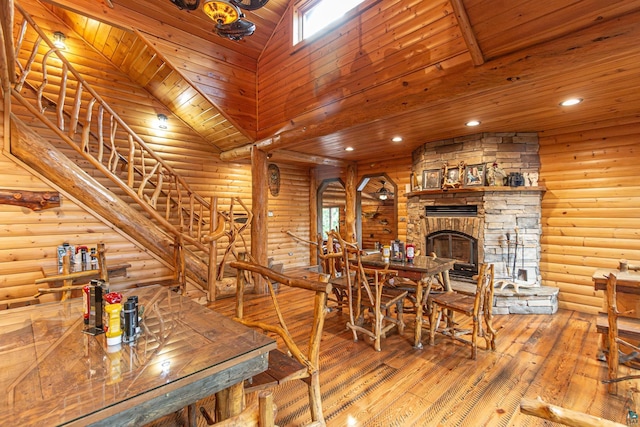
377	210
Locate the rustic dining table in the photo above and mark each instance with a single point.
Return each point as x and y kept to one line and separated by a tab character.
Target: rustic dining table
54	374
423	268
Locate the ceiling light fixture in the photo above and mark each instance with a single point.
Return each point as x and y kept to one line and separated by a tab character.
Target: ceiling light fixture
162	121
349	149
472	123
228	17
571	101
221	12
396	139
383	193
59	40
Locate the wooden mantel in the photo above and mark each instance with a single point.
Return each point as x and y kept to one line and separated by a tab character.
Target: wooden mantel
482	189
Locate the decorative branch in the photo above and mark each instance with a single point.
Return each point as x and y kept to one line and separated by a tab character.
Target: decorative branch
34	200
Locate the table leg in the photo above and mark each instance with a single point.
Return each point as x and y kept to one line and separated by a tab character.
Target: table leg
191	415
447	282
418	333
229	402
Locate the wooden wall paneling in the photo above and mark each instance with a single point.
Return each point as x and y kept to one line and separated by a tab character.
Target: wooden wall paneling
291	211
365	57
591	209
28	249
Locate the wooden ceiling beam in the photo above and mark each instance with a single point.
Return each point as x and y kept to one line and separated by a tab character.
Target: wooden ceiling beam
287	156
467	32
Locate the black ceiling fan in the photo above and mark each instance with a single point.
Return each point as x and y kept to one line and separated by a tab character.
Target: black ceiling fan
383	193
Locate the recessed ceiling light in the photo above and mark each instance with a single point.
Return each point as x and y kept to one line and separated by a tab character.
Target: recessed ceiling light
396	139
348	149
472	123
571	101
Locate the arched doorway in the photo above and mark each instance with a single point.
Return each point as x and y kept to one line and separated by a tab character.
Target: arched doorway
331	206
377	210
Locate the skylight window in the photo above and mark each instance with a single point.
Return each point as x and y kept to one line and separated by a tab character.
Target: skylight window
314	15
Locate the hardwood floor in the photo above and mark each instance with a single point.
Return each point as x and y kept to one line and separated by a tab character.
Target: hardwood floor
551	356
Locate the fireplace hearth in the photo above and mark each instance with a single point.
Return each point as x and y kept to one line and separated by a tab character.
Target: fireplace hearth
471	224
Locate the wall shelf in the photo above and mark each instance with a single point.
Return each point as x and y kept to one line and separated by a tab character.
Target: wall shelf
483	189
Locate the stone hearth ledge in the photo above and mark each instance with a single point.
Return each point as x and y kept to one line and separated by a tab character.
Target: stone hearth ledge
533	300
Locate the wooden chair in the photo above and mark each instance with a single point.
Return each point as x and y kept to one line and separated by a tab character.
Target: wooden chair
408	282
370	290
477	307
282	367
618	329
331	262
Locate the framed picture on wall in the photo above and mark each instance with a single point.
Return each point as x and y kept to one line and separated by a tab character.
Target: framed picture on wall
474	175
432	179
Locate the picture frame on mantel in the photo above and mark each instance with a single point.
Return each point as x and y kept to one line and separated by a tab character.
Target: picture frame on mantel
452	176
474	175
432	179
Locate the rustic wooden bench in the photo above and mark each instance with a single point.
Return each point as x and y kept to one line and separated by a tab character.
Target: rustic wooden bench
282	367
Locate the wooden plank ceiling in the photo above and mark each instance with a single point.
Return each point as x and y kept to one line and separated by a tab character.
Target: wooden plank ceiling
418	69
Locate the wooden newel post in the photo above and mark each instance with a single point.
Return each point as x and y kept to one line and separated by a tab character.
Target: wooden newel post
213	251
260	204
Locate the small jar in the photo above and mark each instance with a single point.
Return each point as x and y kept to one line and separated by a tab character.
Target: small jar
386	252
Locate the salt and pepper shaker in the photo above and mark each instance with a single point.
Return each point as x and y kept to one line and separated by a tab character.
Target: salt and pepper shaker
130	319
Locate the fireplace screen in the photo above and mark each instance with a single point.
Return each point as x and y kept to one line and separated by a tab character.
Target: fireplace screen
459	246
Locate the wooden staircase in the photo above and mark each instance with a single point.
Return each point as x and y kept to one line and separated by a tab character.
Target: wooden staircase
92	154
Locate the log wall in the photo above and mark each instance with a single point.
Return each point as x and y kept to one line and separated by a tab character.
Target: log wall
591	209
398	170
29	240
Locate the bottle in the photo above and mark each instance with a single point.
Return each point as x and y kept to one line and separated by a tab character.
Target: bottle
130	323
112	325
411	252
86	303
386	251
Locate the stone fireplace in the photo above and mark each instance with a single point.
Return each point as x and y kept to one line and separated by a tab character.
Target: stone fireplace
485	224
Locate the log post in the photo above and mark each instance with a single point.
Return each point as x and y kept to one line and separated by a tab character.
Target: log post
260	205
350	204
313	215
213	250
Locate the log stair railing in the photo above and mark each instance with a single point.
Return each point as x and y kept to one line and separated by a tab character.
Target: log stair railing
97	133
282	367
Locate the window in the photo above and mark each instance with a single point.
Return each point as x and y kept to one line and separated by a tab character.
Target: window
311	16
330	220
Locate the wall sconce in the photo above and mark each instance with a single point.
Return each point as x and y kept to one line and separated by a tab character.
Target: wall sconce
59	40
162	121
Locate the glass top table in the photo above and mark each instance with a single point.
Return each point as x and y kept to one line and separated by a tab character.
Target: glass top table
54	374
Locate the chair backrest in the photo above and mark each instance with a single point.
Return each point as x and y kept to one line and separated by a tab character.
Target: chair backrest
330	254
484	290
309	358
358	275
